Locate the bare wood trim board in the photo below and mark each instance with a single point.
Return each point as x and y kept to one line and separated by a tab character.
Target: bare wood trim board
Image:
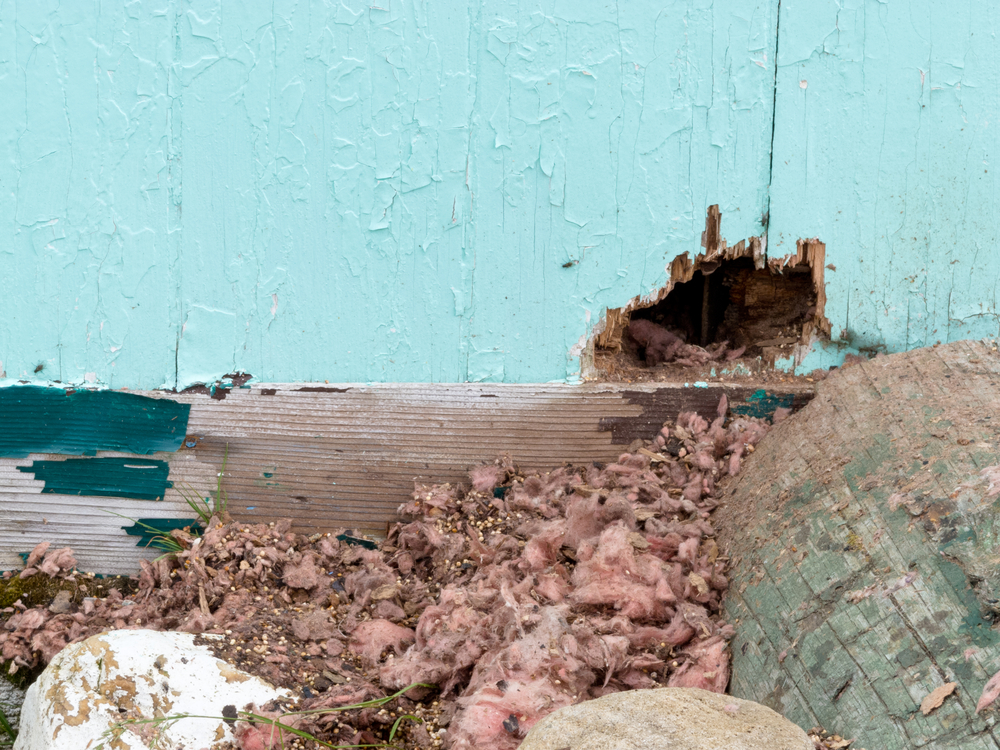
327	456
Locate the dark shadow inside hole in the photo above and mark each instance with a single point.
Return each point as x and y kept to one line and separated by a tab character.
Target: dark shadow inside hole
734	301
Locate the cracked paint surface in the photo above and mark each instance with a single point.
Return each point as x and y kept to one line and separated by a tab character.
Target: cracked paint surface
414	191
883	148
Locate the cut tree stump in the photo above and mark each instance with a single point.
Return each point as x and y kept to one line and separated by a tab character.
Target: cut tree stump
864	555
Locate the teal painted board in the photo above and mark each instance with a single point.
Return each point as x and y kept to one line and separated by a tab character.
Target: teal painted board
140	479
152	530
885	136
414	191
34	419
332	456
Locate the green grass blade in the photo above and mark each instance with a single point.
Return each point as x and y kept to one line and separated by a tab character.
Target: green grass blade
6	727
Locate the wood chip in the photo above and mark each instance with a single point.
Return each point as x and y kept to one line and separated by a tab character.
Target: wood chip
336	679
637	540
778	341
936	697
655	457
384	592
644	514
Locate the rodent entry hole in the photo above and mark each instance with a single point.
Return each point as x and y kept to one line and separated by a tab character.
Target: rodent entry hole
734	301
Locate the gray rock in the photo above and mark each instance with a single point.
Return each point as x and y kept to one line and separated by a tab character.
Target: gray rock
62	604
666	719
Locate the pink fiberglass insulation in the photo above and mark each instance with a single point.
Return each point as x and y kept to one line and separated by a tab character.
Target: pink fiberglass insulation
560	588
660	345
579	582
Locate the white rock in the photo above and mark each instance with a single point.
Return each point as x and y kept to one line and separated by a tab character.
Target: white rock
81	695
666	719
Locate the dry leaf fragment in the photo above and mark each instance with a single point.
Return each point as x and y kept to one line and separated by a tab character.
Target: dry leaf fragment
856	596
899	498
711	550
837	743
990	692
900	583
699	583
992	473
840	506
936	697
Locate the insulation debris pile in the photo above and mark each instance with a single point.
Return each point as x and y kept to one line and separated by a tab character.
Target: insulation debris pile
514	596
660	346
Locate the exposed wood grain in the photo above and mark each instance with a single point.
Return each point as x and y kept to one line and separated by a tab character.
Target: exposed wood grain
333	456
869	574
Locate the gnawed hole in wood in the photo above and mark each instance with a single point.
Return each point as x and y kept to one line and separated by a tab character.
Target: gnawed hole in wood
767	308
749	307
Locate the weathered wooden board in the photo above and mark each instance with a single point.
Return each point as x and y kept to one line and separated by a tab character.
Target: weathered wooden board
326	456
863	536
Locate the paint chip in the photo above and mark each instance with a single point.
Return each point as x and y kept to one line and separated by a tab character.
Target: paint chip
936	697
990	693
803	84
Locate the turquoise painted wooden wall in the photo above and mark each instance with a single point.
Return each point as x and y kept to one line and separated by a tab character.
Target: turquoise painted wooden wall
450	191
888	118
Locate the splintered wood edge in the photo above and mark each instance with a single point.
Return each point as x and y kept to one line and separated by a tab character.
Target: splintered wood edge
347	456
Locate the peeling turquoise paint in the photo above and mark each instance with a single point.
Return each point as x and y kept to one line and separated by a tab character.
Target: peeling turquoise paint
885	134
761	404
450	191
142	479
356	541
407	191
35	419
150	529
